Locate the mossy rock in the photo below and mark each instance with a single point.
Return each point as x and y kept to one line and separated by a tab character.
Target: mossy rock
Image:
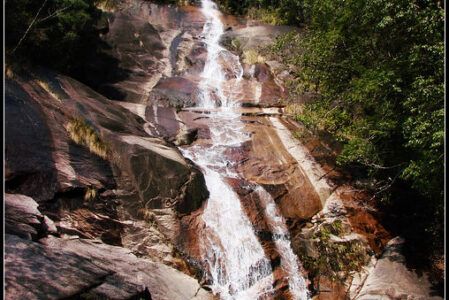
332	251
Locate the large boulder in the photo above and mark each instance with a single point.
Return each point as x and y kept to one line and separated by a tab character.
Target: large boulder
147	161
330	251
87	192
391	279
59	268
29	164
175	92
22	217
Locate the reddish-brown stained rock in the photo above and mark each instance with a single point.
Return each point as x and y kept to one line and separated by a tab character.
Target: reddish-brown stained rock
269	163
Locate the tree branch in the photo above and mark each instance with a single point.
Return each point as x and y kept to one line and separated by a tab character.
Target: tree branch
375	166
29	27
385	187
54	14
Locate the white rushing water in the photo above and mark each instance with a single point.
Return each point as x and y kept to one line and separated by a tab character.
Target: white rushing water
237	265
281	237
214	75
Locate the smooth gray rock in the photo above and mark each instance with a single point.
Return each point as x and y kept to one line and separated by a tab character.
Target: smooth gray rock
391	279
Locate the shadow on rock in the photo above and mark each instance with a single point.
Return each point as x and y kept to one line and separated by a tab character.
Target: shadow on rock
29	165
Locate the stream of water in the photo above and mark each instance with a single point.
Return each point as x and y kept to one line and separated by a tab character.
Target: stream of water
237	265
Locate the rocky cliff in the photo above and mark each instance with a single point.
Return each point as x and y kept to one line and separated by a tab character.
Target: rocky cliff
101	203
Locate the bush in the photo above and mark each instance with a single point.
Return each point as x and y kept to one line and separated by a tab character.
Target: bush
55	33
378	69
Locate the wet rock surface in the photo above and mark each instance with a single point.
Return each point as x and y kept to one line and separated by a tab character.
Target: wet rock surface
174	92
144	39
270	164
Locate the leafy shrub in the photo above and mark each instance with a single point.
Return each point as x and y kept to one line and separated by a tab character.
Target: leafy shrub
378	70
56	33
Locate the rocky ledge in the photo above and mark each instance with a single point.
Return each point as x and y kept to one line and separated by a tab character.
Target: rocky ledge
40	265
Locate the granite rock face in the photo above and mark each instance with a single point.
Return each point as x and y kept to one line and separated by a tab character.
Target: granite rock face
56	268
57	188
127	224
390	278
83	166
22	217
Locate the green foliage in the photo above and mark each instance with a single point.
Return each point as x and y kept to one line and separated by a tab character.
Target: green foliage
377	70
275	12
178	2
61	32
335	258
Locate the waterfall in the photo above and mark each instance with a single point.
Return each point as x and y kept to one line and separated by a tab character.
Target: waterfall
281	237
213	75
236	262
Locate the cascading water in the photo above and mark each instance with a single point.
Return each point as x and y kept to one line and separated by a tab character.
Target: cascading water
281	237
213	75
237	265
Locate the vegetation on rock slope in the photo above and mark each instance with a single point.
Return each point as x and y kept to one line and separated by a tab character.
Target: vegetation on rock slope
376	69
61	34
83	134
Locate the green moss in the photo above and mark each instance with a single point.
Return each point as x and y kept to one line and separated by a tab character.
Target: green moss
335	259
236	44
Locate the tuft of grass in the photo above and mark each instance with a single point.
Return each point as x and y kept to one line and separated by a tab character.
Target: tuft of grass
299	134
266	15
252	57
83	134
147	215
293	109
108	5
91	194
236	44
9	72
44	85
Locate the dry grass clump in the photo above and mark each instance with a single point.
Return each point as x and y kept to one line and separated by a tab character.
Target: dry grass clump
108	5
146	214
91	194
252	57
44	85
9	72
83	134
293	109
